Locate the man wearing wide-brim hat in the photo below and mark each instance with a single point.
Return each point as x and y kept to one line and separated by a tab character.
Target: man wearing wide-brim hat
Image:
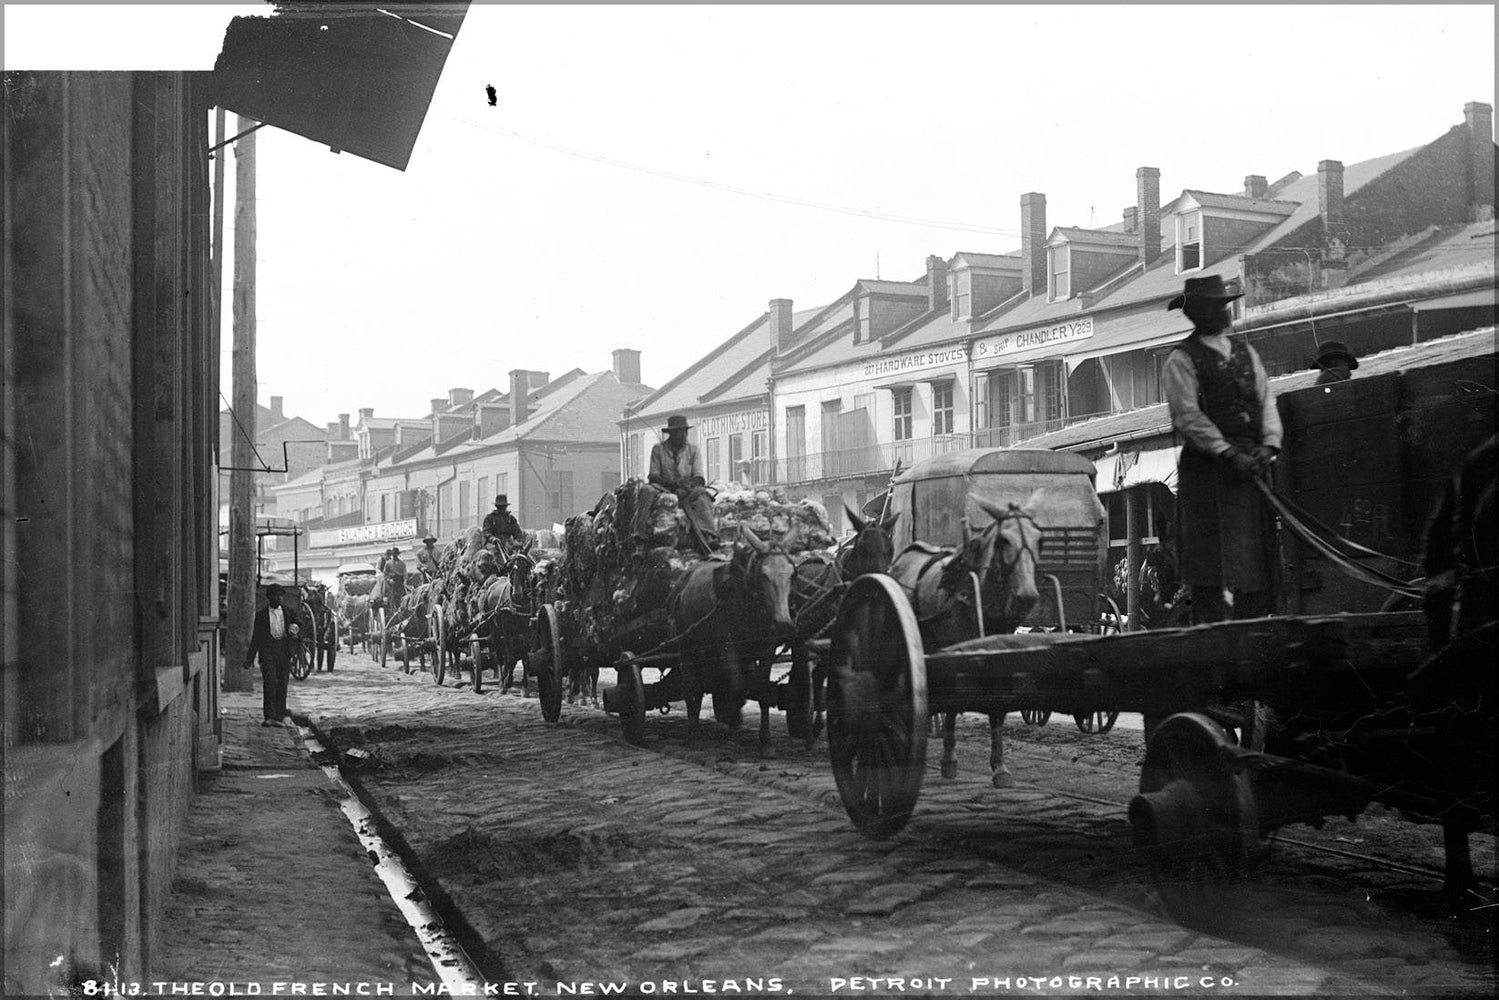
1222	409
677	466
1336	361
427	559
501	526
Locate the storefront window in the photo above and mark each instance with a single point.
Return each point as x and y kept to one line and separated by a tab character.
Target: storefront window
902	405
941	408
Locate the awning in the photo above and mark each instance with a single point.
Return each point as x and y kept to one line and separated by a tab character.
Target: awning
1124	469
1475	299
358	77
1156	328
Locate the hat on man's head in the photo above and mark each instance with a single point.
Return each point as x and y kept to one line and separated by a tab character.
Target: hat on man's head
502	501
1211	287
275	590
430	538
1332	349
676	422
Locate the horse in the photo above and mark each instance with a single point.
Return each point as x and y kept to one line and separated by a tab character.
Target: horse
720	607
818	581
1456	685
510	619
985	586
325	631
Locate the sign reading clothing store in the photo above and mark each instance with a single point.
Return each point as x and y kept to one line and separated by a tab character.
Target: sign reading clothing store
733	423
1013	343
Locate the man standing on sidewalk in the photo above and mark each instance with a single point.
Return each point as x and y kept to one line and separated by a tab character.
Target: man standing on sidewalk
271	637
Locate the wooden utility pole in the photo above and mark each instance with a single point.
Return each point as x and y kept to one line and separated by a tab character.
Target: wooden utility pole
240	599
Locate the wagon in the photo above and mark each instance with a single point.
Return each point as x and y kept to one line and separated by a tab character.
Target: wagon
1353	727
351	603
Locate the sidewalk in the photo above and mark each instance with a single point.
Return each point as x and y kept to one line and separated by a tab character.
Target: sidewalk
272	884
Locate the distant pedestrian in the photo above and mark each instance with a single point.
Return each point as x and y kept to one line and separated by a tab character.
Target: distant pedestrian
1336	361
272	636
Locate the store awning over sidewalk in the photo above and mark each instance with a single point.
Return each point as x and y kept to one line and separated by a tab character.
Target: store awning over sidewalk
357	77
1121	470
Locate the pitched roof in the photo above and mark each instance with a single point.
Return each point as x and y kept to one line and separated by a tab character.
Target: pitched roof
1241	202
1437	248
1002	260
1074	234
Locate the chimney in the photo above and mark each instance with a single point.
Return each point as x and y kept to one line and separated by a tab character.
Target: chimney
276	414
1330	197
780	325
439	403
627	365
1131	218
1033	243
1148	207
1255	186
366	412
457	397
490	418
343	427
538	379
936	283
520	395
1480	119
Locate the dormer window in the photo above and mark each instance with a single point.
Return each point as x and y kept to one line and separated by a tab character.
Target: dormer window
1059	285
962	297
1188	242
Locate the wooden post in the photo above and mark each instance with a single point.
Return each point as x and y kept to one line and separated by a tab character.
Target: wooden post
1132	556
240	600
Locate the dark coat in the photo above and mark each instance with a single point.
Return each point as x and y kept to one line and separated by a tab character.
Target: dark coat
273	652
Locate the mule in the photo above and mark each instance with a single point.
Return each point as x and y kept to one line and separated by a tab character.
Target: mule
985	586
720	612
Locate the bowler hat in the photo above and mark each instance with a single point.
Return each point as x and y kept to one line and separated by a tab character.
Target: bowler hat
1334	349
501	501
1211	287
275	590
676	422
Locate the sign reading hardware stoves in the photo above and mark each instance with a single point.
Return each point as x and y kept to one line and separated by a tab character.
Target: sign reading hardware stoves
1014	343
916	362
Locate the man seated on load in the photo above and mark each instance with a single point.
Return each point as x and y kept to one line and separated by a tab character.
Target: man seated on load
677	468
501	529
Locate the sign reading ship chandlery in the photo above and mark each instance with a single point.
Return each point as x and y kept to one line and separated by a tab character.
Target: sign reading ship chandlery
1013	343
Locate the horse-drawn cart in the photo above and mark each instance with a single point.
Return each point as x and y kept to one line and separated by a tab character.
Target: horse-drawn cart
351	603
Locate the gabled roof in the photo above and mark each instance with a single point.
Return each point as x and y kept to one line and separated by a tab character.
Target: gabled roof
388	423
1005	261
1438	248
1072	234
1238	202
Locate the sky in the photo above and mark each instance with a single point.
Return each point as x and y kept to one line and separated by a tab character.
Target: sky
652	176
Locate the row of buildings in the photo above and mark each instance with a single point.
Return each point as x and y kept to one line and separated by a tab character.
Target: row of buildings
982	350
998	349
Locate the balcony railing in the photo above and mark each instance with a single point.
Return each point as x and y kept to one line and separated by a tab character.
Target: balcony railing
872	459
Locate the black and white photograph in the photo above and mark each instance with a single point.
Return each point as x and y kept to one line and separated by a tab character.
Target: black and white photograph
761	500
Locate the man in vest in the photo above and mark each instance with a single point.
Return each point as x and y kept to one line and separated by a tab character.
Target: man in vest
1225	415
677	467
501	526
427	558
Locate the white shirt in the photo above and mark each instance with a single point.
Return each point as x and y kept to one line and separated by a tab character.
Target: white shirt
278	622
1179	384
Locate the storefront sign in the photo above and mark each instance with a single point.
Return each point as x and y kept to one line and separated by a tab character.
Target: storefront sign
916	362
357	533
1013	343
733	423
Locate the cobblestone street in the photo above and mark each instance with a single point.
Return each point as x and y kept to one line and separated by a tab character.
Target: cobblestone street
570	856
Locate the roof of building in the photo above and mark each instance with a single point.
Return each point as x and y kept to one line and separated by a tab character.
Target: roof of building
1437	248
1241	202
1008	261
1155	419
1075	234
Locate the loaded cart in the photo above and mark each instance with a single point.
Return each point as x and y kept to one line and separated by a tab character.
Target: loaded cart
1358	711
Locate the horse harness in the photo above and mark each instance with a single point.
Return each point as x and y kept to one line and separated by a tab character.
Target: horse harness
937	555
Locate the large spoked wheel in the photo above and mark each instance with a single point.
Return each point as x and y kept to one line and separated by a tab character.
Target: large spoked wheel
631	702
877	708
476	656
440	659
550	672
1096	722
384	635
800	708
301	660
1195	819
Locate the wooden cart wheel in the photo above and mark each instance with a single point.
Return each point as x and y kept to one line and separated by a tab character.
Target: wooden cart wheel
384	636
631	701
1096	722
440	660
476	654
1035	716
551	675
1195	819
799	710
335	641
877	708
301	662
